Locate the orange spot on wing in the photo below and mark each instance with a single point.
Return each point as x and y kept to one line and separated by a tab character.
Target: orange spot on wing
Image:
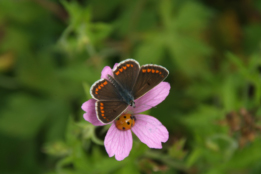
121	70
99	87
117	73
128	65
101	108
102	85
144	70
101	104
131	65
96	92
153	71
102	115
124	67
149	70
96	89
157	71
102	111
105	83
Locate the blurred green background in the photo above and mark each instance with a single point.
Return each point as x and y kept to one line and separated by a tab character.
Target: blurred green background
52	51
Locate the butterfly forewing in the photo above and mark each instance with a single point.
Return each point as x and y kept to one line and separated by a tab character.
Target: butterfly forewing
149	77
104	90
126	73
107	111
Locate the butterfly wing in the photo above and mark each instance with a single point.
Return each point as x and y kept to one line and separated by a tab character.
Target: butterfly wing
107	111
149	77
103	89
109	104
126	73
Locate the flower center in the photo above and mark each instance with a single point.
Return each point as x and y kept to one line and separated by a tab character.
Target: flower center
125	122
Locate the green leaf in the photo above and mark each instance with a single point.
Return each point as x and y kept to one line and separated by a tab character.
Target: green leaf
21	111
177	149
151	50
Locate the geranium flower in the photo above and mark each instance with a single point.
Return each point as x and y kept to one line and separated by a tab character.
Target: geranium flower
148	129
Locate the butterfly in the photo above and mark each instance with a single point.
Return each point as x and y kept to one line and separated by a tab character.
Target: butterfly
128	83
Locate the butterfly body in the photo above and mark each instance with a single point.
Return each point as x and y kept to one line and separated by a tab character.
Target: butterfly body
125	94
129	82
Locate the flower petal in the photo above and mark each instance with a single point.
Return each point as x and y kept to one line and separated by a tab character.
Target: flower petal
115	65
152	98
150	131
105	72
118	143
90	115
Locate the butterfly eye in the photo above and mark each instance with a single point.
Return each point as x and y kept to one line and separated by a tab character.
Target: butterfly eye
132	103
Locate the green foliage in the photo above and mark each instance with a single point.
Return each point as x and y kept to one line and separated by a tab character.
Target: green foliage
51	52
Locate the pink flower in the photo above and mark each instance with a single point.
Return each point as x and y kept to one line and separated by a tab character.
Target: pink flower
147	128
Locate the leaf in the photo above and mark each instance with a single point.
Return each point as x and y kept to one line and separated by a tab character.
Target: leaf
183	36
230	91
177	149
151	50
240	65
23	115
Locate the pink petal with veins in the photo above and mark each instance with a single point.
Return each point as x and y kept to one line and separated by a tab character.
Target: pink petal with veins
152	98
150	131
90	115
118	143
105	72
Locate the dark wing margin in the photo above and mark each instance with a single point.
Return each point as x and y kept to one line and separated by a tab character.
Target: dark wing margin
107	111
149	77
126	73
103	89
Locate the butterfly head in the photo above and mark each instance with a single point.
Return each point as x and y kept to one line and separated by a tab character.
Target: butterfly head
132	104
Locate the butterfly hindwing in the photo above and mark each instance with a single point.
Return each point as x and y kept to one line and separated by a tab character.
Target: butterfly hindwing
108	111
126	73
104	90
149	77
